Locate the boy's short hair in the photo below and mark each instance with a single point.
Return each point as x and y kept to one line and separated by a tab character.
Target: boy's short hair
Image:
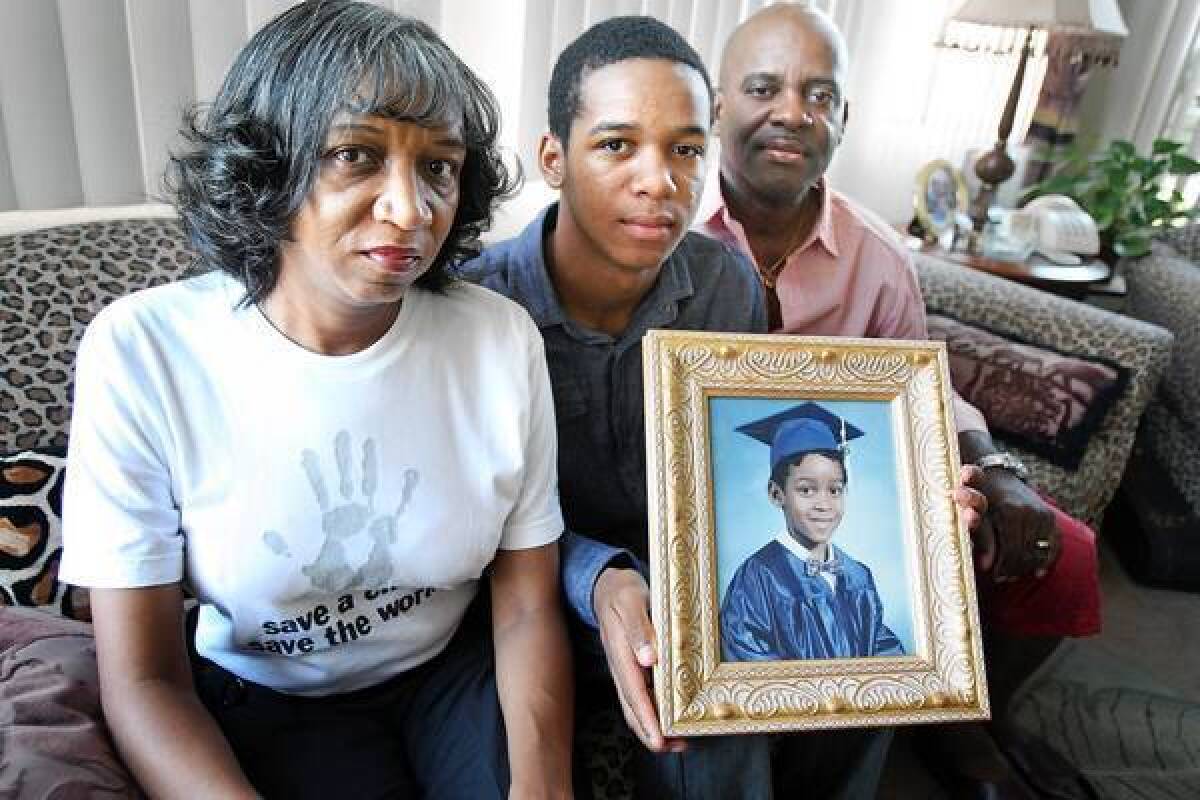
612	41
779	474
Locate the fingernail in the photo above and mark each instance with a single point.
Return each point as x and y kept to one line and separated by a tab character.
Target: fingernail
645	653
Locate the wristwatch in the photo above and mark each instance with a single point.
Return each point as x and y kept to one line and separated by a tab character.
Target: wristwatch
1004	461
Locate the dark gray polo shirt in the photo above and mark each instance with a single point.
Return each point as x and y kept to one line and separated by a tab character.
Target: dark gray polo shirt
597	381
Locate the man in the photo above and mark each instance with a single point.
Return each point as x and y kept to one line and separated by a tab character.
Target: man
832	268
630	108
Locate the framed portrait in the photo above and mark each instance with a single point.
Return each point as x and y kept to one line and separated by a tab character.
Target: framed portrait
809	567
939	196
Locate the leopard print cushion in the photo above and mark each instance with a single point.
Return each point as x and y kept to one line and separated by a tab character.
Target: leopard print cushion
52	282
31	533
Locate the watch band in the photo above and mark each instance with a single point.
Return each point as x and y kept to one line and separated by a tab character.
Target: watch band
1006	461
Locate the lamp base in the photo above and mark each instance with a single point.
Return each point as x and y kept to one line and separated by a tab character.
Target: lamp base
993	168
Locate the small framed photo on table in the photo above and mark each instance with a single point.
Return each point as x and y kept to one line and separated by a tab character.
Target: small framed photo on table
939	197
809	568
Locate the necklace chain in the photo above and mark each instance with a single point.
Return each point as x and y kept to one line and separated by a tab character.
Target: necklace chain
772	272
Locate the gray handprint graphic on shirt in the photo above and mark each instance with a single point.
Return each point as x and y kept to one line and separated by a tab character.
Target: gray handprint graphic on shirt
346	518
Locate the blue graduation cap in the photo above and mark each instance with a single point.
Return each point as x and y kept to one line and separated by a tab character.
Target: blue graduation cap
801	429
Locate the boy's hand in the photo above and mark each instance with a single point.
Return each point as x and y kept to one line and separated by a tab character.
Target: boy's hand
621	600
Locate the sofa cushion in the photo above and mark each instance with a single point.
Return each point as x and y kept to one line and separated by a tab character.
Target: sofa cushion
31	533
52	282
53	741
1045	401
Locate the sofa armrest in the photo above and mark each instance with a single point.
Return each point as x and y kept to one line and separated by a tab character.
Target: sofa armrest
1164	289
1057	323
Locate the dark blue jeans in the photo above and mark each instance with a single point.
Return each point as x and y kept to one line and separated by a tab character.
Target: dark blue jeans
435	731
841	765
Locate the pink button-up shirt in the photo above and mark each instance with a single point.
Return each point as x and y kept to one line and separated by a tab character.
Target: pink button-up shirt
852	276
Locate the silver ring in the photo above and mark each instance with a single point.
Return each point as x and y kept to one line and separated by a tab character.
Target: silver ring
1042	544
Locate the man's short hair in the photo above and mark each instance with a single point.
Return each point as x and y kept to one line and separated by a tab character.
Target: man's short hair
609	42
249	160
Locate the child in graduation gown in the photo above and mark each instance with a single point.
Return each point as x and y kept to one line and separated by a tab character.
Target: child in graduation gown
800	596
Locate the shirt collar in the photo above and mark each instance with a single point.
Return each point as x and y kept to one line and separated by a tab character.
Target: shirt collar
798	550
533	284
530	281
714	214
803	553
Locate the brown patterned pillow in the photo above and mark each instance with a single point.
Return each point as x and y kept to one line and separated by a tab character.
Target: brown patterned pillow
1044	401
31	533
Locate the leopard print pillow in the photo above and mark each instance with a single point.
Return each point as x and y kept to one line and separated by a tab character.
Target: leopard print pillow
52	282
31	533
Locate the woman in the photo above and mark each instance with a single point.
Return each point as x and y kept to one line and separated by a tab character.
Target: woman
330	443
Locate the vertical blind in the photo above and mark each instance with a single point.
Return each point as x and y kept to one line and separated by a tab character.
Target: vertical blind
91	91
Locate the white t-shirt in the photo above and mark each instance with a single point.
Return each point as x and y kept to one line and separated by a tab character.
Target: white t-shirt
333	514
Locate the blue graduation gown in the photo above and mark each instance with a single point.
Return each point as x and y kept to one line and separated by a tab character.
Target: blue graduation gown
774	611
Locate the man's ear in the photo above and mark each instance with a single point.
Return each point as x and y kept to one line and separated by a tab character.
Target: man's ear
552	160
775	493
718	97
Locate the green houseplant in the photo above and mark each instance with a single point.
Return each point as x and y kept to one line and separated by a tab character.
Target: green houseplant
1123	191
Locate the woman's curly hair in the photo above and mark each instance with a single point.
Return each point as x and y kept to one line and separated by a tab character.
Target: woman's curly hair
251	157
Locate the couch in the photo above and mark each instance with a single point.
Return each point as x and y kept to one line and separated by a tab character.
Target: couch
54	280
1162	483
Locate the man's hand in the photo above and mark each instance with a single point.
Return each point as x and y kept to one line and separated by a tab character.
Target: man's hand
621	600
1018	536
972	503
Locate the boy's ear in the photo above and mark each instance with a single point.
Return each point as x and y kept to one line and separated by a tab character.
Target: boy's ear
775	493
552	158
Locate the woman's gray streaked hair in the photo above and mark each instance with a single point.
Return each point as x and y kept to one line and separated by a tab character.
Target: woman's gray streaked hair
250	158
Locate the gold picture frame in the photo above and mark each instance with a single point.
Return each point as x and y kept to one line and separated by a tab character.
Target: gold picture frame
939	196
697	385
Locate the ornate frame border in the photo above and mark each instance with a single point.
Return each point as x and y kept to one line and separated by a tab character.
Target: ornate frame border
699	694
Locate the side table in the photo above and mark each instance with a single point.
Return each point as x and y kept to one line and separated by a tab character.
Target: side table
1074	281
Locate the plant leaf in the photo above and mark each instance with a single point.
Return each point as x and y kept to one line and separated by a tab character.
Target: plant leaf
1132	245
1123	148
1153	173
1183	165
1163	147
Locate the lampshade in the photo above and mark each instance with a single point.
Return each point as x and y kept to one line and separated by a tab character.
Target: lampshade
1101	17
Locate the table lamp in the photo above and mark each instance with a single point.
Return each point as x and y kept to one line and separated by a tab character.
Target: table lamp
1099	18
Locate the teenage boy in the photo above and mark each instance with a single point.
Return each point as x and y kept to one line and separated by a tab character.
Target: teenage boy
630	108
